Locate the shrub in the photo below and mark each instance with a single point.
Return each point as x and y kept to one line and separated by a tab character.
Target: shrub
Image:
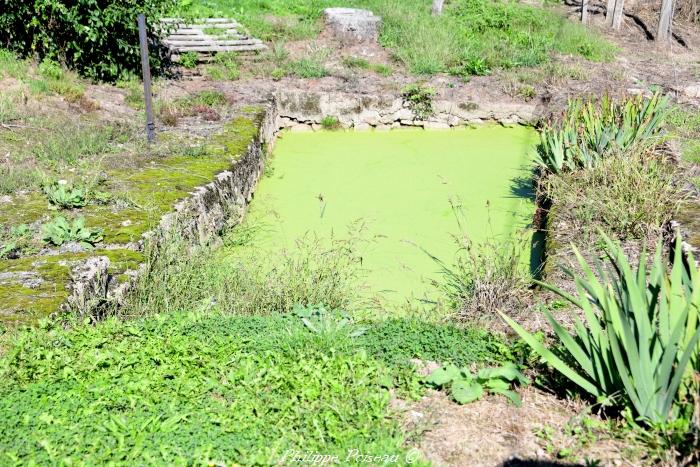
465	387
588	132
419	98
98	38
640	333
309	67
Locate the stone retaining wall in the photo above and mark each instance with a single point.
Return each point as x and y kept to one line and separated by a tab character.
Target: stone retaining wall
304	111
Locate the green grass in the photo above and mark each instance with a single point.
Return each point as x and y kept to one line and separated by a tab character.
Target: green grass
496	34
684	124
193	388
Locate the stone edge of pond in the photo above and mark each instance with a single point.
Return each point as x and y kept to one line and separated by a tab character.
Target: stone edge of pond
306	110
79	281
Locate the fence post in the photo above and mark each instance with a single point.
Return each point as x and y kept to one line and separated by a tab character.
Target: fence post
146	69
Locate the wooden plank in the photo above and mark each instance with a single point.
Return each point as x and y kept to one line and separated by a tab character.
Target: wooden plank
227	48
188	38
184	44
201	20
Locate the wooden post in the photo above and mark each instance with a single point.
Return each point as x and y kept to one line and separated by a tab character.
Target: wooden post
609	11
613	15
617	17
437	7
584	11
663	33
146	70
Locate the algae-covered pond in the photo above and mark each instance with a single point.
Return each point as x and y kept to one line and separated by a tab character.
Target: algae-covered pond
407	187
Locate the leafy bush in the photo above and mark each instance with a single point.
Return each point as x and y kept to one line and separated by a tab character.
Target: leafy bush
65	195
640	333
419	98
465	387
589	132
60	231
98	38
629	196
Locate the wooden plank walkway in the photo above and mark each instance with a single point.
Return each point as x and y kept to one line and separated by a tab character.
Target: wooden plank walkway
209	36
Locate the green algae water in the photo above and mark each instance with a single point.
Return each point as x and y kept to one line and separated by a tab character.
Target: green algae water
405	186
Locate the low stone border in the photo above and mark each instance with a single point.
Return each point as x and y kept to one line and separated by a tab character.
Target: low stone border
304	111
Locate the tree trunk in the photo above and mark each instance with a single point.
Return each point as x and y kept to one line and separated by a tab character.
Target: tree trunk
663	33
584	11
437	7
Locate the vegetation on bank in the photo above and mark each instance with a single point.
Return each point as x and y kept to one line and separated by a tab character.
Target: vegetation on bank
472	37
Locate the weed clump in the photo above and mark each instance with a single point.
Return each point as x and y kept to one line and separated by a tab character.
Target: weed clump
419	98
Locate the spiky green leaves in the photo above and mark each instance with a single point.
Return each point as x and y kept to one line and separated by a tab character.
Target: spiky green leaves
640	330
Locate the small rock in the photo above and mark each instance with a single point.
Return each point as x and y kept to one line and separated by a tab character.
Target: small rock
436	126
300	128
692	91
316	127
126	223
382	127
362	126
5	199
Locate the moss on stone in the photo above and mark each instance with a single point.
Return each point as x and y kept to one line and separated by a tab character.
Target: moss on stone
25	209
153	190
51	276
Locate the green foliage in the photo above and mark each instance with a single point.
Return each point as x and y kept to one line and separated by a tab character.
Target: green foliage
189	60
191	389
641	331
485	277
277	74
628	196
208	97
356	62
465	387
70	142
398	341
320	320
224	67
15	177
589	132
470	35
11	66
16	242
50	69
65	196
99	39
308	67
314	271
330	122
419	98
60	230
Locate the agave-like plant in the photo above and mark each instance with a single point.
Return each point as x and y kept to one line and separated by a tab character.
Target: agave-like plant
640	335
588	132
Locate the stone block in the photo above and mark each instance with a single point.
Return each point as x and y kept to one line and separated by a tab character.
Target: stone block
352	25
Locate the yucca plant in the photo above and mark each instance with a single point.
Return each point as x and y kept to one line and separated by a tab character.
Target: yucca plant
640	331
588	132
